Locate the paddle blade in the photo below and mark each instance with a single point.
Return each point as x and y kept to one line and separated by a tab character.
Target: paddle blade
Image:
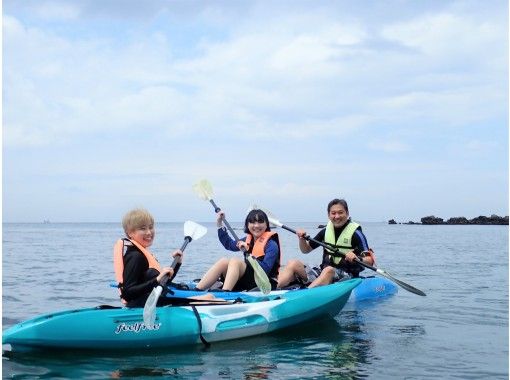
261	278
194	230
204	190
272	219
149	310
402	284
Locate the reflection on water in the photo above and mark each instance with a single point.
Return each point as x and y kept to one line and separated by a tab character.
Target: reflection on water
311	350
143	372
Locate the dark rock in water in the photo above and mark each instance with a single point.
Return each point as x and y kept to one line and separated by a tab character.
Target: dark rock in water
480	220
493	219
461	220
392	221
431	220
504	220
457	220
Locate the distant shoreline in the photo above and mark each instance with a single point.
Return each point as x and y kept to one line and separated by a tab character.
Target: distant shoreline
460	220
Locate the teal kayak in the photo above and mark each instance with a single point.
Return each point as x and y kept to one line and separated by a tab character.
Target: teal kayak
111	328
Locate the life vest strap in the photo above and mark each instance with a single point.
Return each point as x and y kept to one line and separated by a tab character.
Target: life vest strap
336	253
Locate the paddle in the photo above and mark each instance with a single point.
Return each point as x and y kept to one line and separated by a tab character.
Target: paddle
203	189
192	231
383	273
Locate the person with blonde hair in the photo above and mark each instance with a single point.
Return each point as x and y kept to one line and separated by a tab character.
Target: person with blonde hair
136	269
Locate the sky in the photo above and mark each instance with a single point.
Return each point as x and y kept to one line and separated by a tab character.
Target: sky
400	107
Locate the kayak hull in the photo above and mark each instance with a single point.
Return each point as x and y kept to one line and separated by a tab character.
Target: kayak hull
123	328
373	288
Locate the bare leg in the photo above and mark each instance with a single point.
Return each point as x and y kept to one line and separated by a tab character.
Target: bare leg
325	278
288	274
235	271
207	296
211	276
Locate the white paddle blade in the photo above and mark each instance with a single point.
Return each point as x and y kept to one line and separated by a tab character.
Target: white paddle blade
204	190
194	230
272	219
149	310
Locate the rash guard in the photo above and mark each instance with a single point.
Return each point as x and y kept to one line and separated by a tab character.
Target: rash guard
138	279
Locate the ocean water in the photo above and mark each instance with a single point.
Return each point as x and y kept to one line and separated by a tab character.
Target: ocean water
459	331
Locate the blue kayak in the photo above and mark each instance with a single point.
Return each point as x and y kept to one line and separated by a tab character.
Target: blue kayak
371	288
114	328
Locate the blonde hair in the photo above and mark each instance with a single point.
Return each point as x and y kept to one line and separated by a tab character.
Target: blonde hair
136	218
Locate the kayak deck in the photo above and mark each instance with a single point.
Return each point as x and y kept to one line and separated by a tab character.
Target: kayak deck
370	288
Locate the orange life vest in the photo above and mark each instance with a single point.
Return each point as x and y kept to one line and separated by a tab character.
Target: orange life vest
119	250
260	244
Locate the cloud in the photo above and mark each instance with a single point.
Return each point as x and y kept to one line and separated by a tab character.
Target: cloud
139	85
433	35
290	101
262	82
55	10
389	146
480	146
453	107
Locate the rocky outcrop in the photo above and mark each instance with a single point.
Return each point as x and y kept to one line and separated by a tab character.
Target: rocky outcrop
431	220
483	220
493	219
460	220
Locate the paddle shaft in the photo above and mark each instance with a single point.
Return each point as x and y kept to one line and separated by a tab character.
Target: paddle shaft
176	264
307	237
260	276
149	310
227	224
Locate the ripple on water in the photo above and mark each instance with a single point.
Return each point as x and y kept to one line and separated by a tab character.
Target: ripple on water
460	330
